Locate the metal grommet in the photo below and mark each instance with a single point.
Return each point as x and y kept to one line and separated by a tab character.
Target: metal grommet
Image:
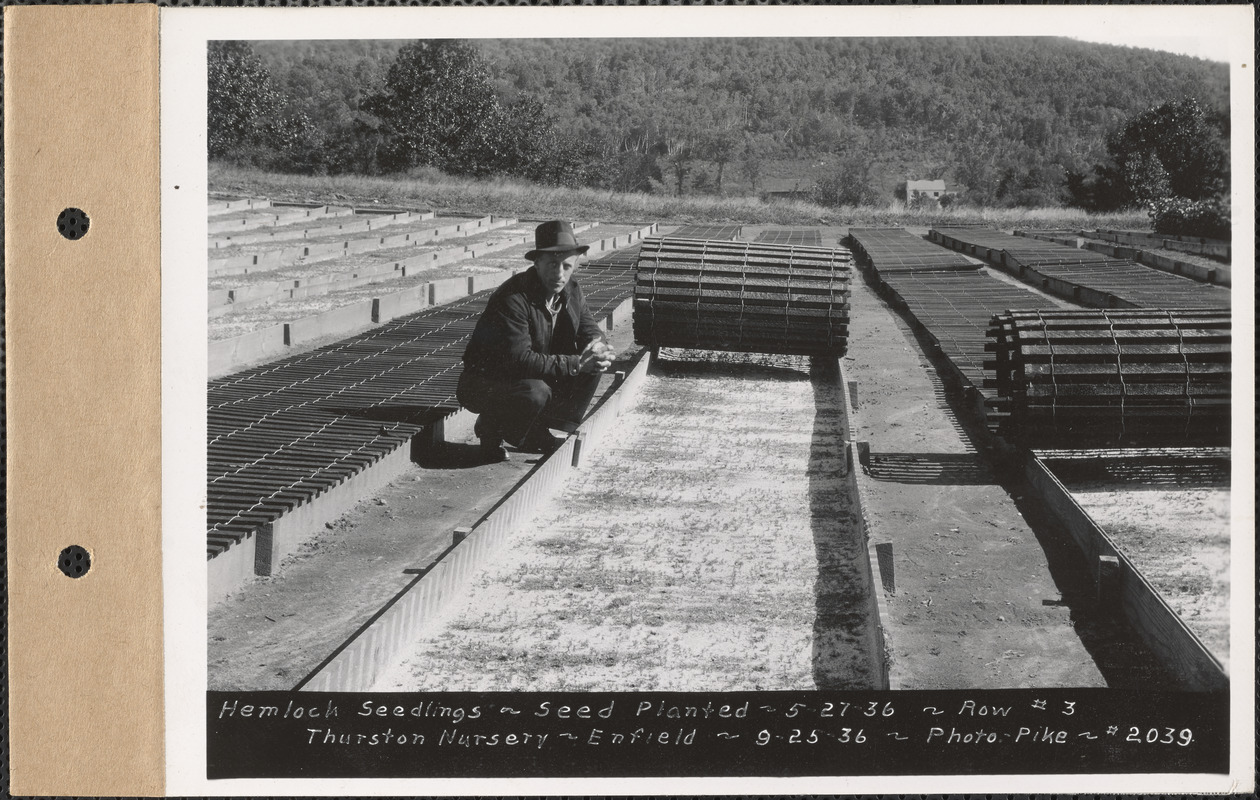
73	224
74	561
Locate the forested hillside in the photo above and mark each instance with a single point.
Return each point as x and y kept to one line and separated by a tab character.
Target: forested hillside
1003	119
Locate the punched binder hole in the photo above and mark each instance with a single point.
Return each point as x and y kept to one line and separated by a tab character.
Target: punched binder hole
72	223
74	561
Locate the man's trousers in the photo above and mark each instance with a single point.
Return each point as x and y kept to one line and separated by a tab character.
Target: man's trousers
513	409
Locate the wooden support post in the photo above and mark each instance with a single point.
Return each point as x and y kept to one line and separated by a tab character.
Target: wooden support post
864	454
853	395
264	544
1109	584
460	534
884	553
578	439
435	433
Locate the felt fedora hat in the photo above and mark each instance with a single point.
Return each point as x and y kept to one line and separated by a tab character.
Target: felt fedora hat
555	237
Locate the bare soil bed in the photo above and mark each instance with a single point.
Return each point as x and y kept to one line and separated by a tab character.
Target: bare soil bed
267	213
320	236
357	261
1189	258
1179	540
707	544
263	315
252	318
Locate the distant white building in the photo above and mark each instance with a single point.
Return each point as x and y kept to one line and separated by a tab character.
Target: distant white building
925	190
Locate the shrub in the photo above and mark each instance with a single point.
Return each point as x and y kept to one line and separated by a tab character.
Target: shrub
923	202
241	103
1177	150
852	184
1184	217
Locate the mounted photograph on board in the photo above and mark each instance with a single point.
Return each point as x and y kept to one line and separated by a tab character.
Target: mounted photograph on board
835	399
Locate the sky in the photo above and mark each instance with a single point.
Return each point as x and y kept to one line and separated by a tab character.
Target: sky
1184	45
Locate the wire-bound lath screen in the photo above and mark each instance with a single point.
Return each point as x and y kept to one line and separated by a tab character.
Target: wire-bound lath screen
734	296
1068	378
891	250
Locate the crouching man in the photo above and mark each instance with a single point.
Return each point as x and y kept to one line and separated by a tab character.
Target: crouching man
534	359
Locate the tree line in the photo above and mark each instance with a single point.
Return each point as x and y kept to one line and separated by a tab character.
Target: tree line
1007	121
432	106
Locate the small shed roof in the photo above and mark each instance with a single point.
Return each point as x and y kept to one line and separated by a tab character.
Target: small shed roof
925	186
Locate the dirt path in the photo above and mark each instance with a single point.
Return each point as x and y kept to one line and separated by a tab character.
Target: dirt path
977	602
707	544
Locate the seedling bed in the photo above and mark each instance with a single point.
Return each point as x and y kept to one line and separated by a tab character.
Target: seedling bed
707	543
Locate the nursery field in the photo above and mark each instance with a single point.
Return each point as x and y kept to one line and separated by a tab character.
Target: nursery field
715	538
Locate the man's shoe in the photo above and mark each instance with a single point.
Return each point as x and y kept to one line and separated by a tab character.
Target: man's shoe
542	442
561	425
492	451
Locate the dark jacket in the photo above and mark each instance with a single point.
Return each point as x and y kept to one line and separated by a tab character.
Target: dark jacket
514	337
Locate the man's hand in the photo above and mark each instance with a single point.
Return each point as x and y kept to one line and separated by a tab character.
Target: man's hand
597	357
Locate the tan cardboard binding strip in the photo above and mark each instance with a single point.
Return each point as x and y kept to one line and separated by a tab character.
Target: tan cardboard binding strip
84	420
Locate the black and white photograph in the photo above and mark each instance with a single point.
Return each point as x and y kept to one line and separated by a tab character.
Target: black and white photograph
594	397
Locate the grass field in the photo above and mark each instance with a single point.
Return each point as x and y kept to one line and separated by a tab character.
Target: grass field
531	201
